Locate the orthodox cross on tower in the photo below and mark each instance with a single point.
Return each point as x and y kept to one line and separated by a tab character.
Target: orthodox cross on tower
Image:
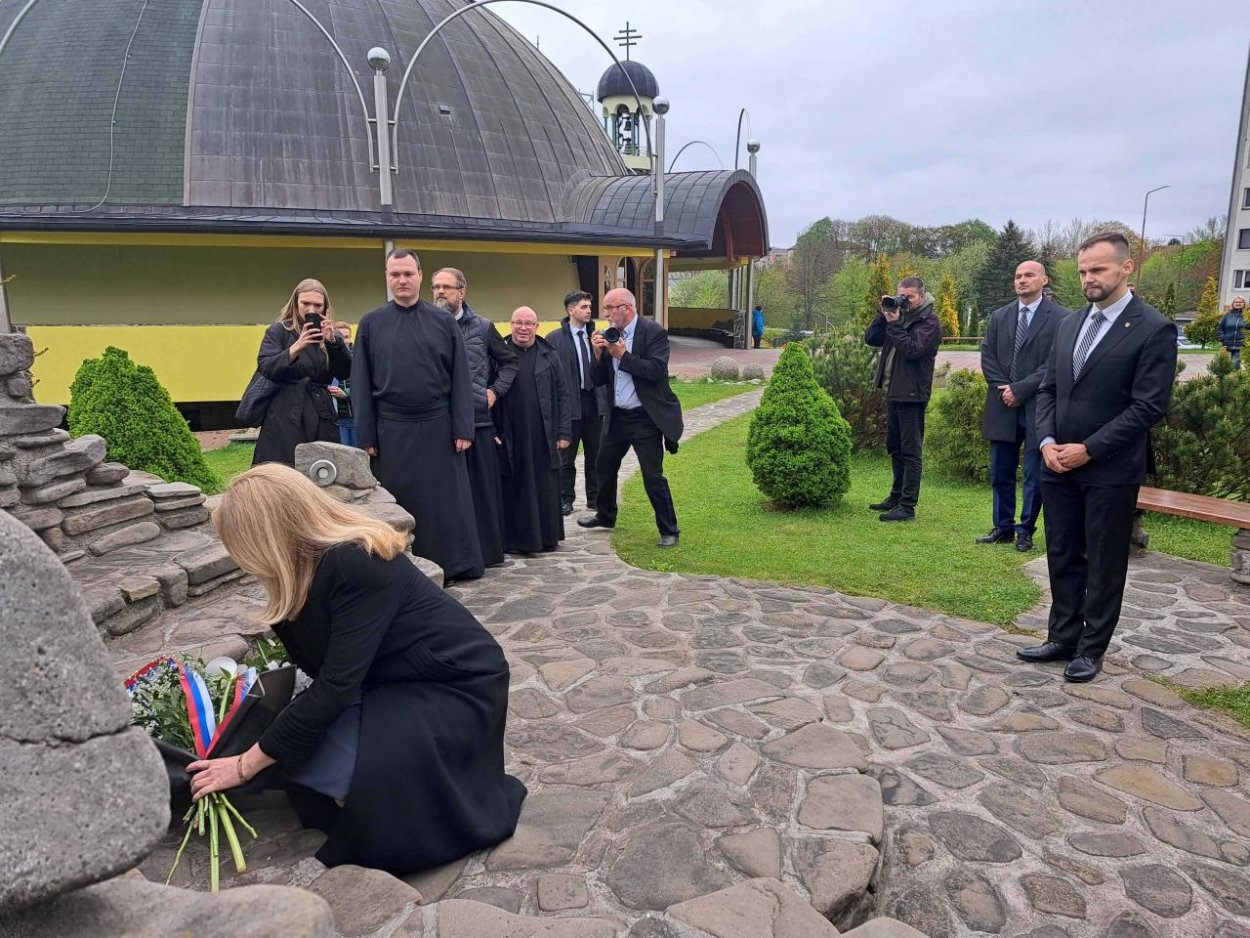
627	38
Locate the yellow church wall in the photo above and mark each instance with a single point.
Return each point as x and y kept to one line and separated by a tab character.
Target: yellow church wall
196	313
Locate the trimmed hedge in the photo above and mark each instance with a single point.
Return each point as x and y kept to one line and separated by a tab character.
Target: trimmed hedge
798	445
953	441
1203	444
125	403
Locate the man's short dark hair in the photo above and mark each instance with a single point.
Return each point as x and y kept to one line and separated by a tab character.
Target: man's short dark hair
912	283
572	299
461	283
1113	238
398	254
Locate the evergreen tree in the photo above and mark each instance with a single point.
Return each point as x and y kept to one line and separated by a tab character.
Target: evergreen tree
948	307
879	284
1203	329
798	445
994	280
1168	306
126	404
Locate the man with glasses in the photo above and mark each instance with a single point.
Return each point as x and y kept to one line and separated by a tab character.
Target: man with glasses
645	414
588	403
492	368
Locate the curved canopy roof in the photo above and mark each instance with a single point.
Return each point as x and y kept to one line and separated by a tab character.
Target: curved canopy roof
239	116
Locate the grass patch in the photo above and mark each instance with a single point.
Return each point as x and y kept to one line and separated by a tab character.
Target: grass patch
730	529
694	394
228	462
1235	701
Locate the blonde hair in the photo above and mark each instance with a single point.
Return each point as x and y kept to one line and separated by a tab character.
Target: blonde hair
277	524
290	317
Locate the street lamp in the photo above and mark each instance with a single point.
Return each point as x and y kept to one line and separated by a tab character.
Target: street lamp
1141	252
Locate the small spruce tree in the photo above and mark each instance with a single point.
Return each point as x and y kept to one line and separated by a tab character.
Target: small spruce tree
125	403
798	446
948	307
1168	306
1203	444
1205	327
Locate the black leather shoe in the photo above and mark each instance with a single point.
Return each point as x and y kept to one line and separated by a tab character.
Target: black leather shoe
898	513
566	509
998	536
1024	543
594	522
886	505
1082	668
1050	651
667	540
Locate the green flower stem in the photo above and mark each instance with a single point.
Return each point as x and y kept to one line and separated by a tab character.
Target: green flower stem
238	817
214	857
236	852
181	847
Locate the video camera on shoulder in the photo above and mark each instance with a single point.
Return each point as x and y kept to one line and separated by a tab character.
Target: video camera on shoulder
890	304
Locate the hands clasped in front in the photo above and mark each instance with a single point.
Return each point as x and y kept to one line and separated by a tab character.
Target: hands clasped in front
1064	457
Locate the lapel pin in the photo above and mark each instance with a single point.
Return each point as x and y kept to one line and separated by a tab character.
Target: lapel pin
1127	324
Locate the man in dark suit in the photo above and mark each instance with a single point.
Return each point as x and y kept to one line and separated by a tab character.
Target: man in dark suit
645	413
1108	381
572	342
1013	360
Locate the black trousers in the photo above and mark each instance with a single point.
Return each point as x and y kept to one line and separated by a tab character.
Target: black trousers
588	432
626	429
904	441
1088	531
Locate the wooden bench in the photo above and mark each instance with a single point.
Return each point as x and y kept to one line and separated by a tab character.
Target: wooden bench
1203	508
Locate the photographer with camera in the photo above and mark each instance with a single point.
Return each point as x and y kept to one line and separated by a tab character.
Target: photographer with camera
908	333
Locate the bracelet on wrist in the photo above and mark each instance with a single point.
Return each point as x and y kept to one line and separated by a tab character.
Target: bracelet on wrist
239	767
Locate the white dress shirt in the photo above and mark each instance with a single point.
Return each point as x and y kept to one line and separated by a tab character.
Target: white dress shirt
626	394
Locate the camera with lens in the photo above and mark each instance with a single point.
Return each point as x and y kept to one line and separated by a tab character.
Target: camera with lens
892	304
612	335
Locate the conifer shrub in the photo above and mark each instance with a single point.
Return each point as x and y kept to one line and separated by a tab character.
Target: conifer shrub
844	367
798	445
125	403
1203	444
953	442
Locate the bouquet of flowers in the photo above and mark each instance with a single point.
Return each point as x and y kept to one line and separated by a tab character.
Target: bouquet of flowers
203	711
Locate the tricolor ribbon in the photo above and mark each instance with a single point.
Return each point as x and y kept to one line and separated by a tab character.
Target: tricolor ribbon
205	730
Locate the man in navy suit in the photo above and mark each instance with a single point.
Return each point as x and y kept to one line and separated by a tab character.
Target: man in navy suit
645	414
1108	381
1013	360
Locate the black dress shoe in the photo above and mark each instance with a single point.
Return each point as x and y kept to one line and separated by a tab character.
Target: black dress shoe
594	522
998	536
566	509
1024	543
667	540
1050	651
886	505
1082	668
898	513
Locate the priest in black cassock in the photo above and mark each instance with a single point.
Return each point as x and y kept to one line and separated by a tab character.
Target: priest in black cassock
413	397
535	424
492	366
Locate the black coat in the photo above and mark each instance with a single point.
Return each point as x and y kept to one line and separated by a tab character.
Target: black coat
1000	422
301	410
553	403
914	341
647	364
429	783
1124	389
563	342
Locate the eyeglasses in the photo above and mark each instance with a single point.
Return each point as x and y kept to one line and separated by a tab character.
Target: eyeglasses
446	286
615	306
525	325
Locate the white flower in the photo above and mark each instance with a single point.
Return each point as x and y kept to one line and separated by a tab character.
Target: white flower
222	665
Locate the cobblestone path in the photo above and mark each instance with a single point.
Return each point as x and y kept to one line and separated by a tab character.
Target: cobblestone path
683	733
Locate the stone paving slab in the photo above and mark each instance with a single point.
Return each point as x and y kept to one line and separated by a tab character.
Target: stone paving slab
682	735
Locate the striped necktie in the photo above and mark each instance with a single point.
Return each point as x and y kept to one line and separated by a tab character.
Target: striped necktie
1022	333
1087	342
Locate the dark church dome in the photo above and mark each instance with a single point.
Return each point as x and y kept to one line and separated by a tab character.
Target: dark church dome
246	105
615	81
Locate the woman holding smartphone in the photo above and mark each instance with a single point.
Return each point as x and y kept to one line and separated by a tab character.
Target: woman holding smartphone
302	353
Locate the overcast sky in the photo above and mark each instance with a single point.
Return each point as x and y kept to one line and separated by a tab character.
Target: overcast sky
938	111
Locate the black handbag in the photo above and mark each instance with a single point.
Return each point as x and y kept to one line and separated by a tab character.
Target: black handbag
255	401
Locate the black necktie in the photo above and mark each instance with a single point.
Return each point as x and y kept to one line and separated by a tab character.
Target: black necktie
1022	332
583	352
1087	342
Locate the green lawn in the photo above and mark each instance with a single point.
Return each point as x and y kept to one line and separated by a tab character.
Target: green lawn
694	394
728	528
229	461
1234	701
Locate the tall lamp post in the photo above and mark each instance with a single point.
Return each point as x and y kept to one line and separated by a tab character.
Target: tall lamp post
660	105
1141	252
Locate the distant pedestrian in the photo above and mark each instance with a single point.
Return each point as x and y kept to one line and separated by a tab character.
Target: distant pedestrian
1232	330
340	390
757	325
